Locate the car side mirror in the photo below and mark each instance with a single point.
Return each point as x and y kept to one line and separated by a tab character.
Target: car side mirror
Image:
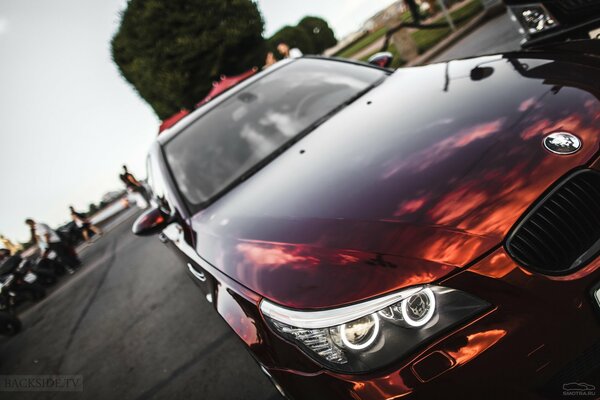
151	221
383	59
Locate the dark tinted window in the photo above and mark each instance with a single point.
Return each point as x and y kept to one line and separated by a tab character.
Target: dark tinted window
252	124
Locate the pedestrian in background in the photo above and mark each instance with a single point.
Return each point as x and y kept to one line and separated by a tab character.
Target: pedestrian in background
269	60
84	224
135	187
48	241
129	180
286	52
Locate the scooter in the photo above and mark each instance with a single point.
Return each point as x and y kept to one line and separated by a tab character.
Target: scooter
16	288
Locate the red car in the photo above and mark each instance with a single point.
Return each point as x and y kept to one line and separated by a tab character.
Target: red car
428	233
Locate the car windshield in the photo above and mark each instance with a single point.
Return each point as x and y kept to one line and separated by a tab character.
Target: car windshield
250	126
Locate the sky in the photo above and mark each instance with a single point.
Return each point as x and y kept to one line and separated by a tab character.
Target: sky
69	120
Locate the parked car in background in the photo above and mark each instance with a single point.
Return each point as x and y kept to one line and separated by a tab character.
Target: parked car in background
379	235
556	20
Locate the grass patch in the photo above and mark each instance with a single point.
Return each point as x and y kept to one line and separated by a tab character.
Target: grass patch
369	39
361	43
427	38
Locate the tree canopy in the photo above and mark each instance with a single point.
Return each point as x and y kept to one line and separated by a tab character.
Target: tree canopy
312	35
172	50
321	35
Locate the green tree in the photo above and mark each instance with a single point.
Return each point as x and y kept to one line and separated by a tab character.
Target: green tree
321	35
172	50
293	37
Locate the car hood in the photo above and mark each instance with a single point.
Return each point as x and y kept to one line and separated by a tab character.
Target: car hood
410	183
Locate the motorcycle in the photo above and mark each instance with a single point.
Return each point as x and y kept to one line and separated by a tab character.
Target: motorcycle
8	298
9	323
43	271
18	287
50	266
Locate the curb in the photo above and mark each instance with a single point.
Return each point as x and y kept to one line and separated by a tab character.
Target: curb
450	40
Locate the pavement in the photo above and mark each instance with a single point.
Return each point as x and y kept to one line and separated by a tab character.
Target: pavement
378	44
134	326
495	35
483	35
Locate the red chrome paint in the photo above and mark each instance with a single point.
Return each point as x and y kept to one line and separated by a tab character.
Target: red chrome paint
405	186
418	181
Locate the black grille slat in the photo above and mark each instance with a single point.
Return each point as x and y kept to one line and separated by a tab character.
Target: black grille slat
582	208
557	245
569	237
541	251
593	204
566	212
561	228
530	251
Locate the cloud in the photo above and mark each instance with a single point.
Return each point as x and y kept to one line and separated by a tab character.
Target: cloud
353	13
3	25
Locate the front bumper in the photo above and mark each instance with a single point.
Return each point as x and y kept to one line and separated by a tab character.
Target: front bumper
543	335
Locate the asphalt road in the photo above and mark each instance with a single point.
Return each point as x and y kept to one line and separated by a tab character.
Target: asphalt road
494	36
134	325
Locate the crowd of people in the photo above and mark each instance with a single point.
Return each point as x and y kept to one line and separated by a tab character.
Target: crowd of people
25	273
50	241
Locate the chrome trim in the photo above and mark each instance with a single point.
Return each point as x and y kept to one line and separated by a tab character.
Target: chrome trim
597	295
163	238
333	317
199	275
174	233
272	380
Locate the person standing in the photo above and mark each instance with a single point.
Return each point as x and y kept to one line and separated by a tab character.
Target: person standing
135	186
269	60
48	241
129	180
286	52
84	224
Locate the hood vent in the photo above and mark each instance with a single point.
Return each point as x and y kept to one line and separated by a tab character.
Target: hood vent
561	233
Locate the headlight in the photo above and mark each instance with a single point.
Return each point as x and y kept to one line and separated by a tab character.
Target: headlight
534	18
372	334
